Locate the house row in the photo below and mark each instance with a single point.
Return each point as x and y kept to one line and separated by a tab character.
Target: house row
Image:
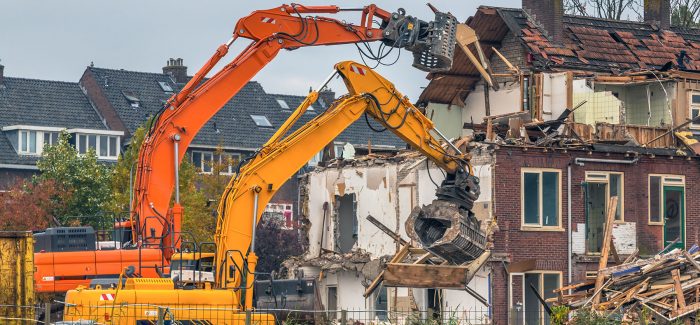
106	106
564	112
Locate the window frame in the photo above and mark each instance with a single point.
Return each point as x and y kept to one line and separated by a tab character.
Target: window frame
692	106
39	141
589	178
255	117
213	154
666	180
540	289
98	144
540	227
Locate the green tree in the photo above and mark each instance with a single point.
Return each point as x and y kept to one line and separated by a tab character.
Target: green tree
120	184
685	13
199	215
81	175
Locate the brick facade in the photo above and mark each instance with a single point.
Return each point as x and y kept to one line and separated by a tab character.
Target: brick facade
101	103
549	248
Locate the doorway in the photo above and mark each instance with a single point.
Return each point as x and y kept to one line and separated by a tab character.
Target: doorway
674	216
596	202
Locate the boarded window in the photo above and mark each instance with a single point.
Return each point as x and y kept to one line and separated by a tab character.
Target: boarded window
655	199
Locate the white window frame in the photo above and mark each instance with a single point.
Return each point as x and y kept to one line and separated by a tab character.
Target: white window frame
666	180
604	177
267	123
282	103
38	142
691	107
98	145
540	227
200	169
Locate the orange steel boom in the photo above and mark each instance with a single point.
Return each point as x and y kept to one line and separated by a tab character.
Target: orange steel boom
271	30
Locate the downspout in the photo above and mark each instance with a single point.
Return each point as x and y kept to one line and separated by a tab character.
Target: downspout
568	221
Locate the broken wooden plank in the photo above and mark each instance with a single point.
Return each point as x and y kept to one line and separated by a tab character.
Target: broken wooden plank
680	297
607	240
386	230
397	258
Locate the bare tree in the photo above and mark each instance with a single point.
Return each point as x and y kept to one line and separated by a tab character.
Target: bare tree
608	9
685	13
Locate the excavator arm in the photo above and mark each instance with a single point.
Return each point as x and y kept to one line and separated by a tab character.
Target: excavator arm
249	191
285	27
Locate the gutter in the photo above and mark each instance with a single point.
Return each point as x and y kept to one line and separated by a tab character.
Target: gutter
581	161
17	166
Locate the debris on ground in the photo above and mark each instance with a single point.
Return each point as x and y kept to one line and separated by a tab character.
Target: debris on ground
664	288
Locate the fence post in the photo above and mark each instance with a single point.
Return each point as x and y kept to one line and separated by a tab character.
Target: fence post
161	316
47	313
248	319
343	317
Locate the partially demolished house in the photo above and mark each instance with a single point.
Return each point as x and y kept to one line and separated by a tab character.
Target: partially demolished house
565	112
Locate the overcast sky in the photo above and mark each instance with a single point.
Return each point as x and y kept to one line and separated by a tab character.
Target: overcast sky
56	40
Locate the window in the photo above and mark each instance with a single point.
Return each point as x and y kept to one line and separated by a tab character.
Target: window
207	162
282	103
694	108
613	185
541	198
332	301
381	303
165	86
261	121
347	224
105	146
131	97
544	282
33	142
656	195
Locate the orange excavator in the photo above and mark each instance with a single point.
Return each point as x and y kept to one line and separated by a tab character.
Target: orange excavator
155	225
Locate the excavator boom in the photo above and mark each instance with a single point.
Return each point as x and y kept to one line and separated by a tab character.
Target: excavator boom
285	27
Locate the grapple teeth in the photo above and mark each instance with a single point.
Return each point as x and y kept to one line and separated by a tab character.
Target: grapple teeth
448	231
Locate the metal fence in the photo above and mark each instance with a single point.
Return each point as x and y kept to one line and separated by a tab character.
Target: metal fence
142	314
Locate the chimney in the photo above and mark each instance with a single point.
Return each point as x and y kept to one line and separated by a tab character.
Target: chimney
176	70
549	14
658	12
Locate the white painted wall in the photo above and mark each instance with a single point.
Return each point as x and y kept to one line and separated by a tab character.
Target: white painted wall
379	193
624	238
505	100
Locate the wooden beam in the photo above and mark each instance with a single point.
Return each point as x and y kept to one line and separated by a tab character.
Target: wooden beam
466	36
605	251
432	276
680	297
386	230
397	258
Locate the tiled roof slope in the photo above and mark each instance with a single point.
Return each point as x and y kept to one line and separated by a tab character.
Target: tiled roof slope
232	126
605	45
357	134
42	103
46	103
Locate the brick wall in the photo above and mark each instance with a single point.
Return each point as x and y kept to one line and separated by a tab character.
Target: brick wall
548	13
513	50
98	100
9	177
549	248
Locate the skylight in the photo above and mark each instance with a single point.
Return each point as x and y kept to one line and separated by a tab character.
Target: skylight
165	86
282	103
261	121
132	98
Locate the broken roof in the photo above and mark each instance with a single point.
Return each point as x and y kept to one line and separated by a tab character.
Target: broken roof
590	44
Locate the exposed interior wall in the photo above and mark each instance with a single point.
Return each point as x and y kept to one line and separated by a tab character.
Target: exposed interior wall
387	192
644	104
554	95
447	119
505	100
636	104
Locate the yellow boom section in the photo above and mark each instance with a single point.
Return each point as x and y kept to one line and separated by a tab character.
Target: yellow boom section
249	191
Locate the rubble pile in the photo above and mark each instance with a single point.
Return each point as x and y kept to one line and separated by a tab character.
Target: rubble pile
665	288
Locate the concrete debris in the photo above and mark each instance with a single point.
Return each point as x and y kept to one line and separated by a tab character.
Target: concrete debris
330	262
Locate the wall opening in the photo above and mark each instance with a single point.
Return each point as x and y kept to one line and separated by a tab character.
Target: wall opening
347	223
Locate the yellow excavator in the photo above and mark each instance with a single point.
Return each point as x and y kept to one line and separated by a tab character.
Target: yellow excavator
230	299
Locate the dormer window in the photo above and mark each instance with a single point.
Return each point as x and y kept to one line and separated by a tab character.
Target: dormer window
105	146
131	97
31	142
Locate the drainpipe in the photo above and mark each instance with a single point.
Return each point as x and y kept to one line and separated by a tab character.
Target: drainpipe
581	161
568	220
